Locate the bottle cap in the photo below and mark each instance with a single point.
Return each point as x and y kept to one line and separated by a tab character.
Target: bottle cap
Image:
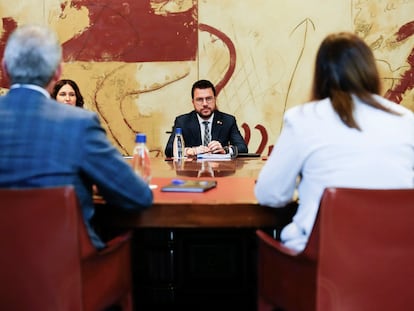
178	130
141	138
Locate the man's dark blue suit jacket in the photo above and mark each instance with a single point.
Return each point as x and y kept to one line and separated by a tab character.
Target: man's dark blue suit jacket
224	129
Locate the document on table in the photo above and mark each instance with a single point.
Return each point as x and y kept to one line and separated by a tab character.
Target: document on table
214	156
180	185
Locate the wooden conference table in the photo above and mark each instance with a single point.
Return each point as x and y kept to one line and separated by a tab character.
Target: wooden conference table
197	250
231	204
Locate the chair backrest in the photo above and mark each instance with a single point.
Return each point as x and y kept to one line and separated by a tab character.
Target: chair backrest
366	250
40	253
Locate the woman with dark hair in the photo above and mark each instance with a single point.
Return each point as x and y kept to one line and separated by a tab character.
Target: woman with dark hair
67	91
347	136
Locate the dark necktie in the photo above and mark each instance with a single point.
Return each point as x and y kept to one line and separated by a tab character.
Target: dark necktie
207	137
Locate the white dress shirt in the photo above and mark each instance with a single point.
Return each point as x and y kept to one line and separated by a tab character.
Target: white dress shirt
316	150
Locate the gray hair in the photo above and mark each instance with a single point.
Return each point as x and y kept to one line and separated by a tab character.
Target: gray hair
32	55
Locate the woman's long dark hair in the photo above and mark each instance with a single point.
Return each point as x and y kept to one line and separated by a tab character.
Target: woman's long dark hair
58	85
345	66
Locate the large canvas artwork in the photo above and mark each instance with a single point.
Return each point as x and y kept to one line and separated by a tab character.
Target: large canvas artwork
135	60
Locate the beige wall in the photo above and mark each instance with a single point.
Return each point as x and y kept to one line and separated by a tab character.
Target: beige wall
269	71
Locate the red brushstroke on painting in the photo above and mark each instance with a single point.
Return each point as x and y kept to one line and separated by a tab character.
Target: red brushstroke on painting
130	31
406	82
125	31
232	52
9	24
263	134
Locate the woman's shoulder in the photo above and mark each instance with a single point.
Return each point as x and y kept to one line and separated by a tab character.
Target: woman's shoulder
394	106
309	108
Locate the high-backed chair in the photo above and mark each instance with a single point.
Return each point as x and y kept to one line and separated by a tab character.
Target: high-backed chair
47	261
286	279
366	251
357	258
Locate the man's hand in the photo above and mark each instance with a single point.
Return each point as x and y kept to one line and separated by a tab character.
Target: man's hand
193	151
215	147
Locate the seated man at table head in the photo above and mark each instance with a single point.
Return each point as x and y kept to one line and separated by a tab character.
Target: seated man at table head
222	127
67	91
45	144
347	136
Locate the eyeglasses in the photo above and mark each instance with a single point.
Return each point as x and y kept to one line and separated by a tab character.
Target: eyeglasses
200	100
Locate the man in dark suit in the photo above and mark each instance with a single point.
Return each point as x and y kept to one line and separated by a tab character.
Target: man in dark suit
206	129
44	143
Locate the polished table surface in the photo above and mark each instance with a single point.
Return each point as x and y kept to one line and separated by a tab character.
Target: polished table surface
231	204
240	167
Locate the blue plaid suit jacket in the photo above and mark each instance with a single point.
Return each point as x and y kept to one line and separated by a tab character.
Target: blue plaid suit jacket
45	143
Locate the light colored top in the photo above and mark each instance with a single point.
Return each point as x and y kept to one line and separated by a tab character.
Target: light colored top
316	150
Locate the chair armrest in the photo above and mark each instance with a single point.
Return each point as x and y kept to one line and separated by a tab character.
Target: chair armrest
116	243
286	277
89	251
276	245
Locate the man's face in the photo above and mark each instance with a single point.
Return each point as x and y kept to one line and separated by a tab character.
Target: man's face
204	102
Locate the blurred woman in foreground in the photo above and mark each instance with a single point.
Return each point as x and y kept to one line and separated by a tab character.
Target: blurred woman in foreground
347	136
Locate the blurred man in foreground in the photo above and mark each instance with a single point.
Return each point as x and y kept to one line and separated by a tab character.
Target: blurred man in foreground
44	143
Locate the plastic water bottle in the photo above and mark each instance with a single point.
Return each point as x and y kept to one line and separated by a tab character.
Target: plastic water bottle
178	144
141	162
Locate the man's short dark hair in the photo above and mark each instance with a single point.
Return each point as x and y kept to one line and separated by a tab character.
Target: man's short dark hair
202	84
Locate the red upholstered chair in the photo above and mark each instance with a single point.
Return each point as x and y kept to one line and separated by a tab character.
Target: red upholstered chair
286	278
47	261
359	256
366	251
